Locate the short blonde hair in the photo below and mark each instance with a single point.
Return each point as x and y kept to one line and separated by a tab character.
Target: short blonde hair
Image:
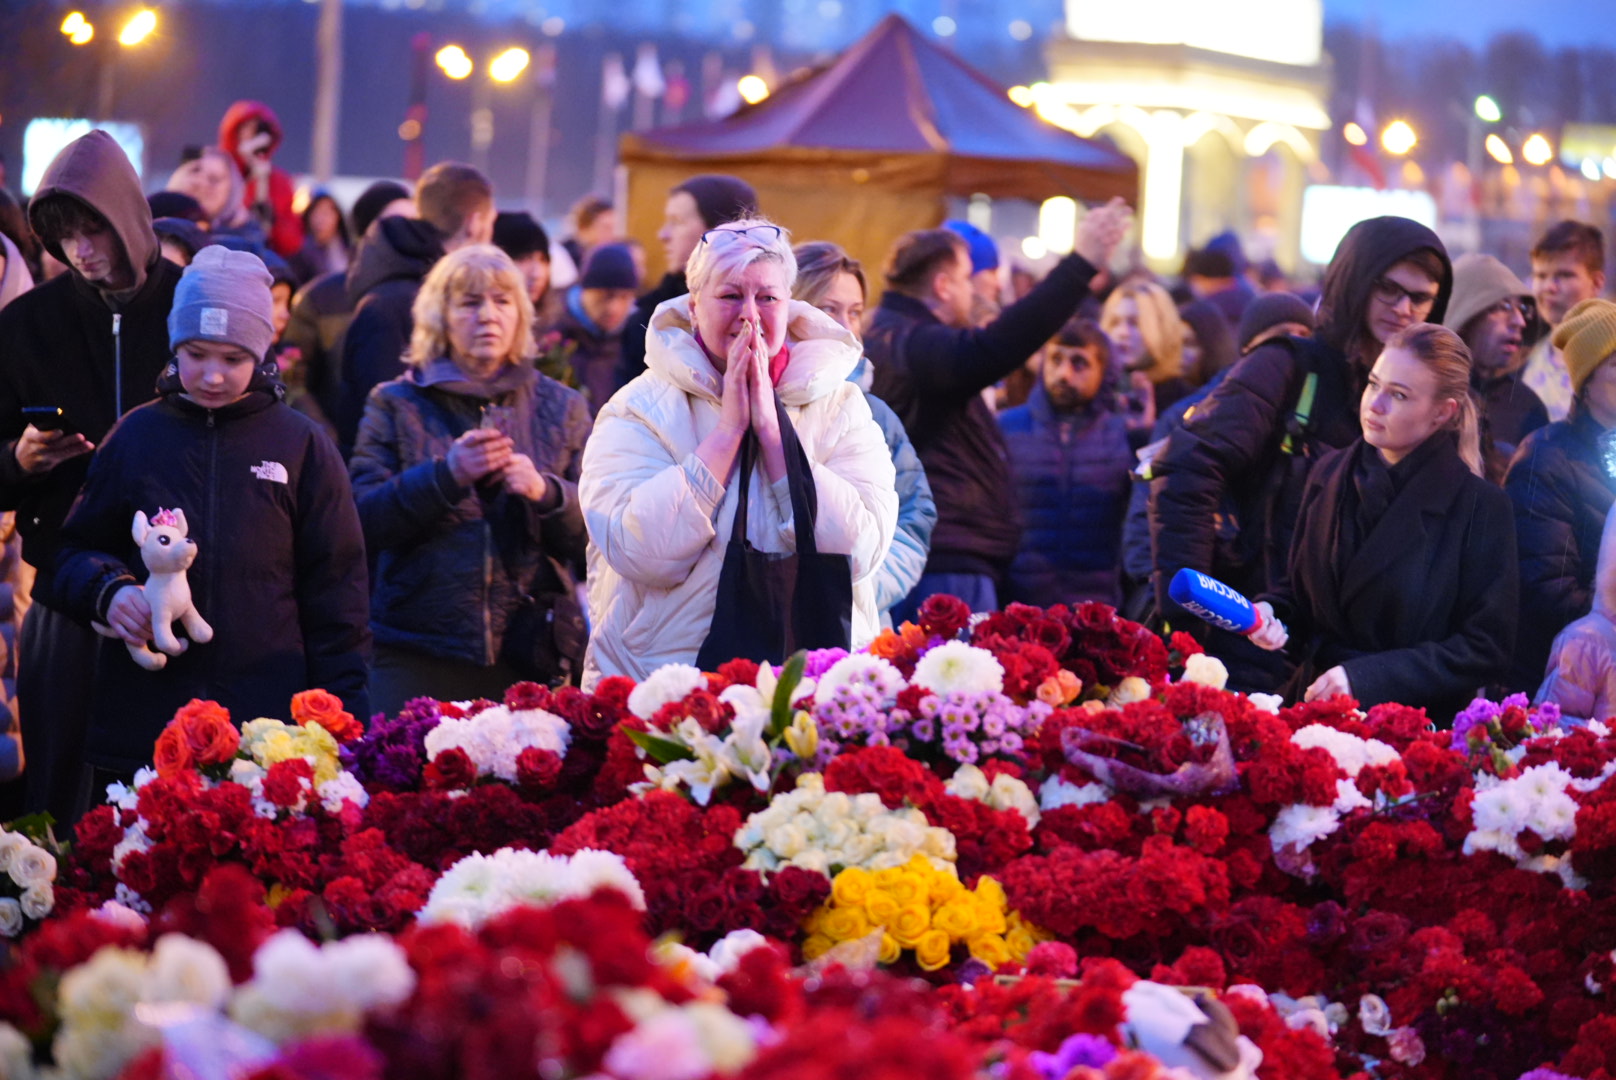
1159	325
475	267
719	258
819	264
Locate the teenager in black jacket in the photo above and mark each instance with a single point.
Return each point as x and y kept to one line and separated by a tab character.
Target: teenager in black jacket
1247	448
91	343
1402	580
280	569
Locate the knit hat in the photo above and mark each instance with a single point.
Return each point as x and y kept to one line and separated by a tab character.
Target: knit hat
1586	338
175	204
1479	282
518	235
223	296
984	252
720	198
373	200
180	231
1269	310
610	266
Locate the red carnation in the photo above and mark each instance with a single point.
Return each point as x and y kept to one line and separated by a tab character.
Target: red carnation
288	781
452	768
537	770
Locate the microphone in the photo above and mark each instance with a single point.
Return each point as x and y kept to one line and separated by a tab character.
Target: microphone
1212	600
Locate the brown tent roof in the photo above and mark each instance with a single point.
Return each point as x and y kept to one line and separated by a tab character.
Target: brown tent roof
896	93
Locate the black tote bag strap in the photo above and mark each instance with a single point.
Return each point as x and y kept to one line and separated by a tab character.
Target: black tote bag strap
737	532
800	478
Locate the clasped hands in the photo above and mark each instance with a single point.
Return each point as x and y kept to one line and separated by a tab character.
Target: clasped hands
748	401
485	452
1272	635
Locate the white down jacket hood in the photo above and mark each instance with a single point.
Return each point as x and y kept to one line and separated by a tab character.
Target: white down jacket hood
659	520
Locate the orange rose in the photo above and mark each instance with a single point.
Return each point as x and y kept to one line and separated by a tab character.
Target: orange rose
212	738
325	709
173	754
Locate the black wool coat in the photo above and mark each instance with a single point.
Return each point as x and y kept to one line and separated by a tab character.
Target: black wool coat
1422	610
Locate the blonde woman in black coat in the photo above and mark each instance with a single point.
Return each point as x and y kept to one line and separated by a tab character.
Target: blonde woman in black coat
1403	580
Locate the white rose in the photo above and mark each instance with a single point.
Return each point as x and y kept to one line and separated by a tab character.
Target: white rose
969	782
38	900
814	859
369	971
1207	670
939	844
10	916
1128	691
10	844
785	841
16	1054
185	970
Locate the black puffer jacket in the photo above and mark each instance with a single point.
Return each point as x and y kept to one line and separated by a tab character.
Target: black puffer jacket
639	321
1561	492
394	259
454	562
68	344
933	376
279	572
1232	443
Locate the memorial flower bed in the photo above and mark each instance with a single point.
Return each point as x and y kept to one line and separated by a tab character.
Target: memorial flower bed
954	854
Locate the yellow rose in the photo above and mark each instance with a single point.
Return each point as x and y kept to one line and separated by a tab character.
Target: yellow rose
957	919
991	949
1020	942
990	918
990	891
850	886
815	923
932	950
886	877
911	923
943	888
907	888
845	924
816	946
890	949
881	906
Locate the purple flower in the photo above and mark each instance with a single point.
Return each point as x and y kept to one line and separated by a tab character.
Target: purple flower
924	729
1479	713
819	661
1548	716
1089	1050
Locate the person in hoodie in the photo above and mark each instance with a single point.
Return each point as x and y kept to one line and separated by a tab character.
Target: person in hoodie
1492	309
660	486
321	309
588	333
454	207
1253	439
695	206
834	283
1581	676
280	564
90	342
1069	459
465	472
250	133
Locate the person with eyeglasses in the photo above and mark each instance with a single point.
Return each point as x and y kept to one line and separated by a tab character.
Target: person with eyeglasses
1492	310
661	484
1563	483
1227	487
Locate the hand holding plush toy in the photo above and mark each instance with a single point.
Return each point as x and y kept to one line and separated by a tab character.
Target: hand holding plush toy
145	615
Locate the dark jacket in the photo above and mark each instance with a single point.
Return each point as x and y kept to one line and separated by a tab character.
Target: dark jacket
321	312
68	344
593	357
279	572
639	321
933	375
1232	444
1561	492
1071	477
395	258
1510	411
453	563
1419	609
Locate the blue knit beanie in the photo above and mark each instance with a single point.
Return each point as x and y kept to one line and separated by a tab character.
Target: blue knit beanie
224	296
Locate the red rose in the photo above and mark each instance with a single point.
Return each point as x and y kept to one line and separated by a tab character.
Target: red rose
537	770
325	709
452	768
527	695
173	752
944	616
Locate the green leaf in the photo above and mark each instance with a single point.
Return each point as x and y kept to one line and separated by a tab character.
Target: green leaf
36	827
661	750
790	676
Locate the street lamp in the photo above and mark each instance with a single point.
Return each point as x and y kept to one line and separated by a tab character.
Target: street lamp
1537	150
454	62
1398	138
139	27
78	28
508	65
752	89
1354	134
1487	110
1499	151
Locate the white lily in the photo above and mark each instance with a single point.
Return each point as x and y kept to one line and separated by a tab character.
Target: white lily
749	751
759	697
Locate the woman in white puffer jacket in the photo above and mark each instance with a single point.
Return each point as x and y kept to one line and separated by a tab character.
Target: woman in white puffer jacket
658	489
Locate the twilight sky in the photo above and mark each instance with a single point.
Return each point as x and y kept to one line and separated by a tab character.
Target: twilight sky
1557	22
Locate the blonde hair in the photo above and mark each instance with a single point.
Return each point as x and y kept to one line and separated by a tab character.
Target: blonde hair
722	257
1159	325
475	267
818	265
1446	354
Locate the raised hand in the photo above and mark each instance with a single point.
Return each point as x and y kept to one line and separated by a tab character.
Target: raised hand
1101	231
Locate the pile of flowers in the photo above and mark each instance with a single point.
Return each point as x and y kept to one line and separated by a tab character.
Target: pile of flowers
974	839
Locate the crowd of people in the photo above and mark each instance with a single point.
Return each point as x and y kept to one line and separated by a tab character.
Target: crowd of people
412	447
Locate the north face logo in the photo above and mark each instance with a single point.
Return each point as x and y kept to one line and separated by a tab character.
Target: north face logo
270	470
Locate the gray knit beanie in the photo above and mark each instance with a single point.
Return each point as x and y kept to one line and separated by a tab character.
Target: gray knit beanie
224	296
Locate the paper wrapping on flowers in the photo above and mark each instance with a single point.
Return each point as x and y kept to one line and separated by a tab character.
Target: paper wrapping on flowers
1215	776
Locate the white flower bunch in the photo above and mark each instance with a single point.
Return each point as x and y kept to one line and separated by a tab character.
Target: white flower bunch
1207	670
667	684
32	870
1349	751
829	831
1299	826
1056	793
1004	793
300	989
954	665
687	1042
495	737
1538	799
710	966
480	887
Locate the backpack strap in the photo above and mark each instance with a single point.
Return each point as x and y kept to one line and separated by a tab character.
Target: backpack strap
1301	416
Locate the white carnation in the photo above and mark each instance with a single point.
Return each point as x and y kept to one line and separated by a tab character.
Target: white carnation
480	887
968	782
955	666
667	684
187	971
1056	793
726	953
1207	670
344	787
1351	753
369	971
1299	826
